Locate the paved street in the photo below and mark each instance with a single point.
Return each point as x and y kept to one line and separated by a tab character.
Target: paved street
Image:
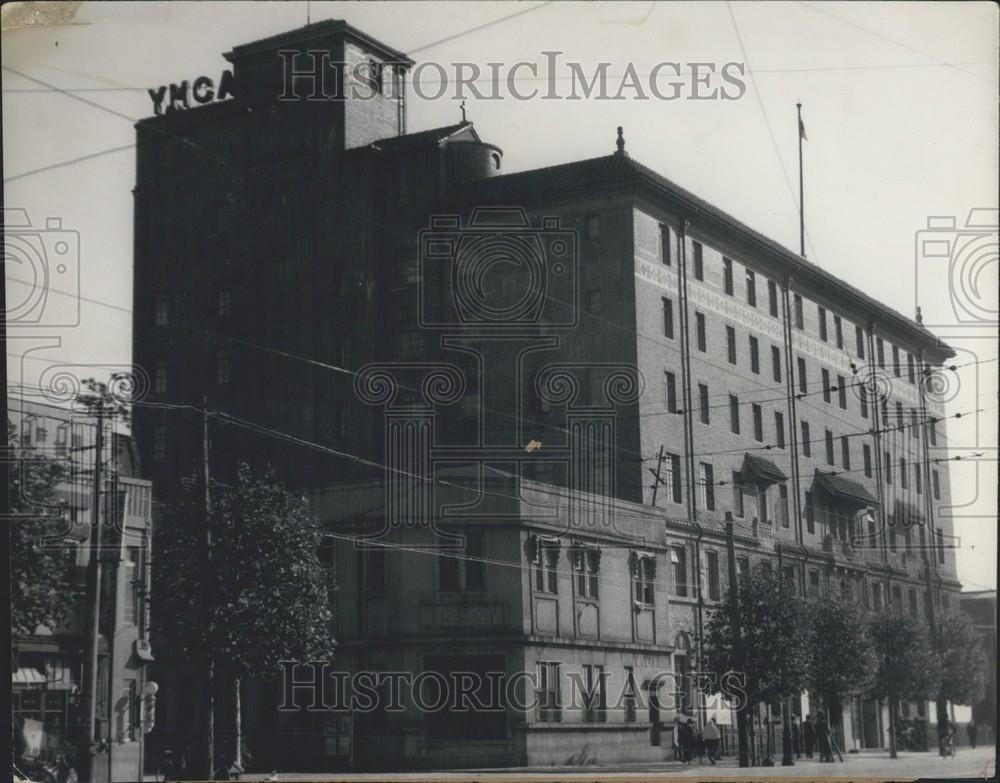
977	764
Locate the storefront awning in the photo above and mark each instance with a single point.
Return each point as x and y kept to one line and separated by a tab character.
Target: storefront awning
761	469
27	677
845	489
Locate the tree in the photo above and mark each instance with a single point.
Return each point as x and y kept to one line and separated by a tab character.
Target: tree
43	586
961	660
906	667
774	650
841	657
266	586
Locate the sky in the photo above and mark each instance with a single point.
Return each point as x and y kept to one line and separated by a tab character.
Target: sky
898	101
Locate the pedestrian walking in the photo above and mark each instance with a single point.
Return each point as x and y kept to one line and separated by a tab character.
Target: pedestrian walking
972	731
808	736
796	737
823	742
712	737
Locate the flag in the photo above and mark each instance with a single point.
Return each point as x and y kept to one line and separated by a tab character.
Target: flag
802	130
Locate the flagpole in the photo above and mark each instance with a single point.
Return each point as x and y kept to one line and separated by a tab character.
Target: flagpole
802	208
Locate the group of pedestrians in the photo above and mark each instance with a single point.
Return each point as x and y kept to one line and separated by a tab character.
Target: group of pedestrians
693	742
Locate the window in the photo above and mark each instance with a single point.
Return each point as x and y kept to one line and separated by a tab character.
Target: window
806	441
863	397
859	342
727	275
375	571
936	484
918	475
772	298
899	416
803	383
813	582
783	506
665	254
678	566
672	465
629	695
699	320
758	423
738	502
671	391
160	442
897	598
751	288
914	427
799	315
911	597
643	574
810	518
866	455
130	727
940	546
845	452
160	377
821	314
904	479
222	368
776	363
734	414
877	596
932	430
161	310
703	402
841	392
594	302
699	260
707	487
888	468
838	330
546	559
731	344
587	563
829	447
668	318
62	436
132	611
779	429
911	370
754	355
712	562
743	567
880	352
549	709
825	374
224	304
595	701
376	76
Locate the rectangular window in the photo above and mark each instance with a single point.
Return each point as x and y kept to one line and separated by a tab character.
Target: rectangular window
911	598
877	596
595	700
899	416
665	254
838	331
758	423
546	563
743	567
918	475
888	468
803	383
673	477
630	695
222	368
825	375
160	377
821	314
668	318
904	478
810	517
806	441
161	310
678	563
751	288
549	708
699	320
897	370
727	275
772	298
859	342
731	344
586	563
936	484
813	583
671	391
863	397
754	355
703	402
699	260
829	447
134	586
738	502
776	363
914	426
932	430
707	487
800	321
643	574
911	370
940	546
734	414
779	429
845	452
866	455
160	442
842	392
880	352
712	561
783	506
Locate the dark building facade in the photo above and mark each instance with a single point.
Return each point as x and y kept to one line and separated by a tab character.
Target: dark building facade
384	306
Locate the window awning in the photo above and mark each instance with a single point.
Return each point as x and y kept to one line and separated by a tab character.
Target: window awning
27	677
845	489
761	469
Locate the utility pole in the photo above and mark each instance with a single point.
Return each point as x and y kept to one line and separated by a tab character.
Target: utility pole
206	564
90	738
734	593
786	705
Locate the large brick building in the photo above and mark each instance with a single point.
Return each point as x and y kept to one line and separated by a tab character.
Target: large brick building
310	267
